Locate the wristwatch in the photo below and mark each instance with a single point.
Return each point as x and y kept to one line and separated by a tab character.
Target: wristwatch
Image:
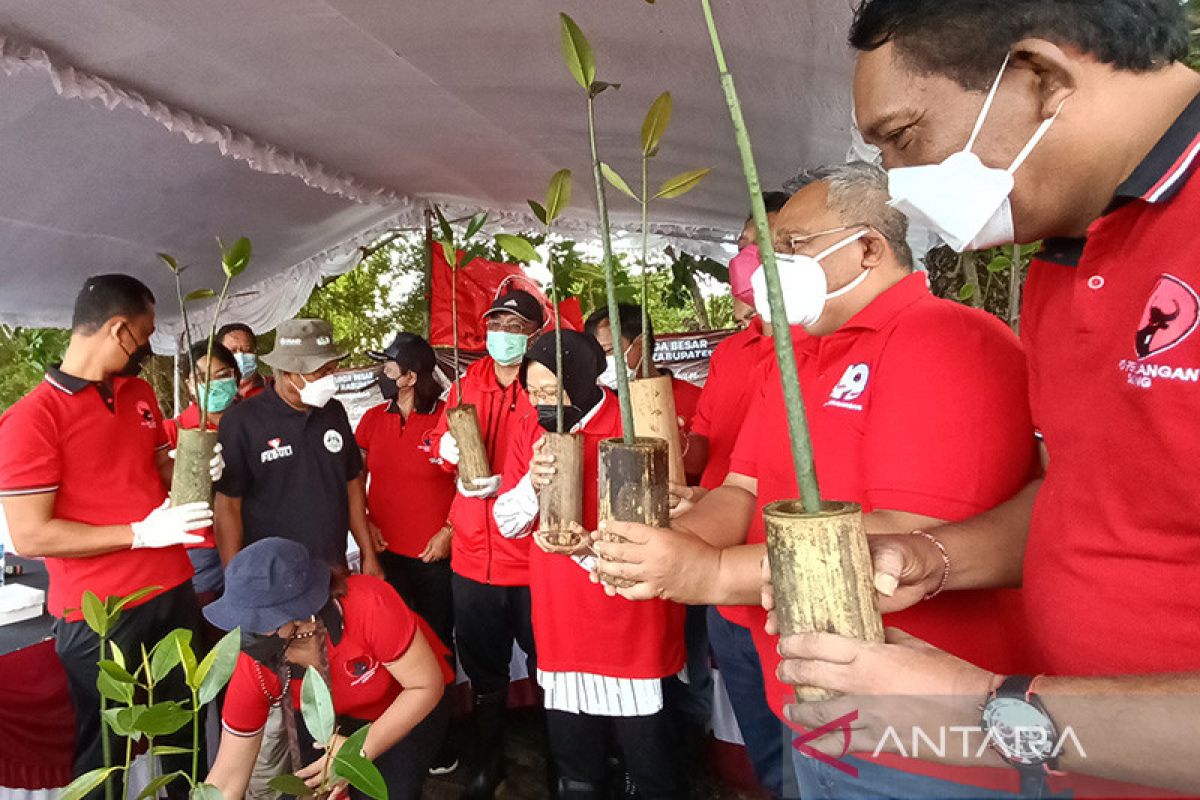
1019	728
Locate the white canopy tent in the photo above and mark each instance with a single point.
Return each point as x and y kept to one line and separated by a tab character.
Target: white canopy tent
129	127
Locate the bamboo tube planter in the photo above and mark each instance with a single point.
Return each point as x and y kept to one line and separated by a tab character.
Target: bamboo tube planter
191	481
472	452
633	487
654	416
822	573
562	500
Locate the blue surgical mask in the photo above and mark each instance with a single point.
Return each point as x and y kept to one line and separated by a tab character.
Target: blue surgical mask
247	363
220	395
506	348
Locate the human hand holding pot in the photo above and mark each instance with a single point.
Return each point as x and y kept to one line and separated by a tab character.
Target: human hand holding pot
684	498
481	487
582	548
541	467
167	526
903	685
216	466
448	448
907	567
662	563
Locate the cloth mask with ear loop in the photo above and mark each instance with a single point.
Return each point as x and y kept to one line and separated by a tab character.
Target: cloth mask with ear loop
805	285
964	201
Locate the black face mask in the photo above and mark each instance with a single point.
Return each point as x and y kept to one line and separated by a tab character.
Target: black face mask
266	649
548	417
134	365
389	387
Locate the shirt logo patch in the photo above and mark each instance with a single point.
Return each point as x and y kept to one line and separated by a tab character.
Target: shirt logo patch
426	445
850	387
1171	315
333	441
147	415
276	450
361	670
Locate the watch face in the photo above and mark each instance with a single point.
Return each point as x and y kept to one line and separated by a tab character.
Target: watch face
1021	732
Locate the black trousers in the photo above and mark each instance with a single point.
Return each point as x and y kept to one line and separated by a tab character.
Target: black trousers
78	648
405	764
425	588
487	619
650	746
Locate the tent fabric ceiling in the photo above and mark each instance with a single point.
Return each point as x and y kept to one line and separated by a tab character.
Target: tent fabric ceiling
369	109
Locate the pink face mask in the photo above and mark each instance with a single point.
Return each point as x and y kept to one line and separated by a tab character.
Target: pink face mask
741	267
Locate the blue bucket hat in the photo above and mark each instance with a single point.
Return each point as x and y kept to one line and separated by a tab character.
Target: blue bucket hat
272	582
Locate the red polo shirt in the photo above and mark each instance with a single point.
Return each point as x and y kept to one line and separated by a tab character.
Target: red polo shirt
916	404
1112	565
479	552
726	396
95	448
579	628
189	419
408	493
377	629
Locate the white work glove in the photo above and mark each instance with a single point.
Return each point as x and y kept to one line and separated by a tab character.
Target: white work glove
216	467
448	448
482	487
168	526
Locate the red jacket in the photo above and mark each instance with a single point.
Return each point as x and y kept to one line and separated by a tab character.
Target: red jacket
479	552
579	628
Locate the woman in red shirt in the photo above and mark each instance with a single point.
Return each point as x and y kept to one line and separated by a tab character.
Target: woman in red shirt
374	653
408	492
601	659
221	393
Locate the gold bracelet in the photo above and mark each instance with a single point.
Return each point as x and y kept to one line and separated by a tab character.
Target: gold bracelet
945	563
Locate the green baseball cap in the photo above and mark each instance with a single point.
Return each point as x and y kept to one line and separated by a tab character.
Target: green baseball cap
303	346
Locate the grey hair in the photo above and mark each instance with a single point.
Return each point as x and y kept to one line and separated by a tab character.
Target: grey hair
858	193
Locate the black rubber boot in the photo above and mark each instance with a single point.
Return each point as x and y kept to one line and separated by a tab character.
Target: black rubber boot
487	745
578	790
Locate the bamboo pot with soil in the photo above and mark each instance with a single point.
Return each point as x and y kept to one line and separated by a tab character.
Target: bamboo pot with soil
463	422
822	574
191	481
633	487
561	500
654	416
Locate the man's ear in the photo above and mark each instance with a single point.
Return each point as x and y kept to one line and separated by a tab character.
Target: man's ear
1056	72
876	249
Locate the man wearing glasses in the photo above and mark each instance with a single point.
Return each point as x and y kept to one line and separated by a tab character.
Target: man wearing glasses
917	411
491	573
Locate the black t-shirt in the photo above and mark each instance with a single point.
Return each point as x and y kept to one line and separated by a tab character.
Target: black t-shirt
290	469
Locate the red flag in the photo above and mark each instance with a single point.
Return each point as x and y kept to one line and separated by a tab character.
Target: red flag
479	283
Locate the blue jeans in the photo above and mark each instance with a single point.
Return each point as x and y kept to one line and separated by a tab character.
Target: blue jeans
821	781
765	736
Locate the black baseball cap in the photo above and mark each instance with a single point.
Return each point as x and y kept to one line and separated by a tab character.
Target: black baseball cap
518	302
268	584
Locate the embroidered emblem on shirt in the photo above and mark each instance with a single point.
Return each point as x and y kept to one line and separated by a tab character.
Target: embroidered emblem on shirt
333	441
361	670
147	415
276	450
850	387
1170	316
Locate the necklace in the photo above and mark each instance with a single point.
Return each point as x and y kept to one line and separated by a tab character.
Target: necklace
262	684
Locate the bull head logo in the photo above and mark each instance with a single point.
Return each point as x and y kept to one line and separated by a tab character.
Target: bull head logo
1170	316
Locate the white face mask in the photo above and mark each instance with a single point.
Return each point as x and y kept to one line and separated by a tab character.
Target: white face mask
805	286
961	199
318	393
608	378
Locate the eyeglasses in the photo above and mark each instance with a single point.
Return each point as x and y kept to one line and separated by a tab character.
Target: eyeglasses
512	326
791	244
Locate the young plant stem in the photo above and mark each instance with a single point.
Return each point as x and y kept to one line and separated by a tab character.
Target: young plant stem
1014	290
614	318
187	326
454	325
105	739
646	340
801	444
195	736
212	334
558	354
